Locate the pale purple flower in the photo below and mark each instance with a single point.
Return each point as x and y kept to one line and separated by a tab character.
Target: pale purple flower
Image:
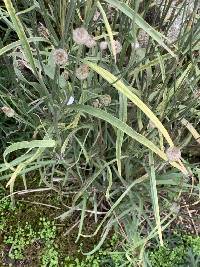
173	153
80	35
103	45
90	42
60	56
82	72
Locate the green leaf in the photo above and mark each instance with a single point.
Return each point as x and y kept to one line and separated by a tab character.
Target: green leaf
126	129
119	85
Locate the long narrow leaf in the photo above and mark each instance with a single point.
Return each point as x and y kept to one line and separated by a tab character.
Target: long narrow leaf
21	33
119	85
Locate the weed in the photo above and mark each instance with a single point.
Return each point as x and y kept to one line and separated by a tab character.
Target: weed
20	240
50	256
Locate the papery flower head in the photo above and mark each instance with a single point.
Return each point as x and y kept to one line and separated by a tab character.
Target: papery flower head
82	72
60	56
118	46
105	100
173	153
80	35
9	112
90	42
135	45
103	45
143	38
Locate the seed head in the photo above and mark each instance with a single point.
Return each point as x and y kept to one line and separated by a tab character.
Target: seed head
143	38
118	46
9	112
60	56
96	103
173	153
90	42
103	45
80	35
42	30
82	72
105	100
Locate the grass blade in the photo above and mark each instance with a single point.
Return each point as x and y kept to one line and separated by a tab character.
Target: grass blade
126	129
119	85
120	134
108	28
154	195
21	33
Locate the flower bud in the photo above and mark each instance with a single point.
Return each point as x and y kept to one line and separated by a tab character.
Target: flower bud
105	100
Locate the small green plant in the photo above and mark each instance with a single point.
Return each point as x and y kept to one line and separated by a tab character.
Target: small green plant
166	257
47	231
194	243
5	206
186	246
20	240
50	256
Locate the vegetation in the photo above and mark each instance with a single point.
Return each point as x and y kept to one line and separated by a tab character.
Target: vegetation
99	133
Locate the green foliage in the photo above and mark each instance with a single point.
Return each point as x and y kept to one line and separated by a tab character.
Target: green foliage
194	243
85	130
50	256
186	247
167	257
23	237
20	240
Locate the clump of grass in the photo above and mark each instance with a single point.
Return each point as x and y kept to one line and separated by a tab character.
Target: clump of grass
83	82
